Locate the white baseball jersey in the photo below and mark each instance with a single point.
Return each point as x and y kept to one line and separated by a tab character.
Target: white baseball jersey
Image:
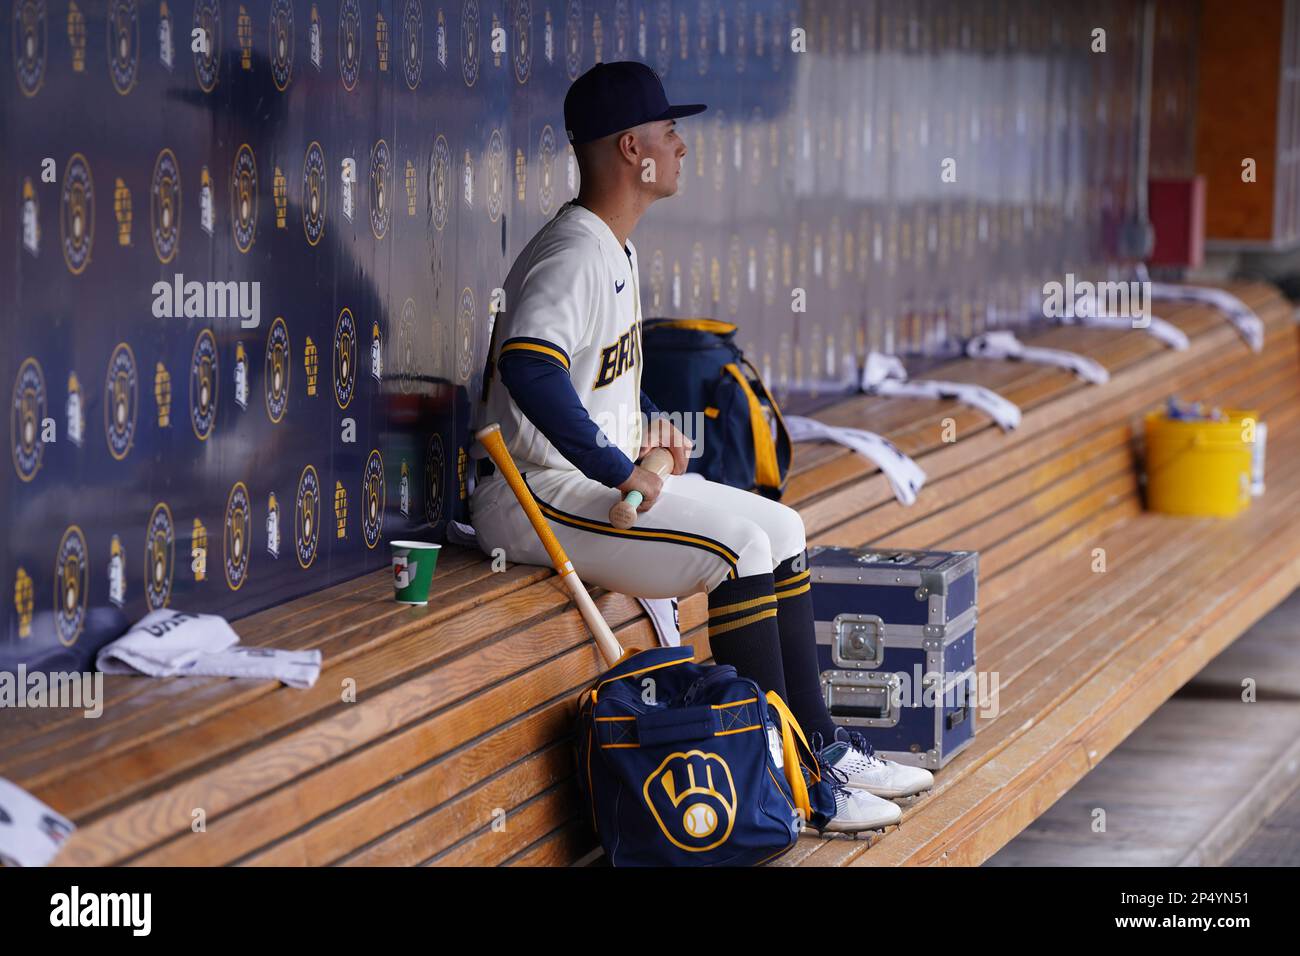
572	297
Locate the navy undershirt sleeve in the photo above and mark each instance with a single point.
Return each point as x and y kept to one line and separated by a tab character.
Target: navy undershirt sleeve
648	408
544	393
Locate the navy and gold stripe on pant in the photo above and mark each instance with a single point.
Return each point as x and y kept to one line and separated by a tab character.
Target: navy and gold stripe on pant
664	535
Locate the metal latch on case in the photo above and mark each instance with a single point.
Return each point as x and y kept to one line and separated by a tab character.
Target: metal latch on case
859	641
862	699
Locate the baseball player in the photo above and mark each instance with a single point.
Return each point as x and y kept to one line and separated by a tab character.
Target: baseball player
563	380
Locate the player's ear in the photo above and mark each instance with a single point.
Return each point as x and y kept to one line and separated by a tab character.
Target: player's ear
629	144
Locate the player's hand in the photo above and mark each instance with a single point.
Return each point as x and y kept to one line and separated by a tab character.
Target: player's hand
661	433
646	482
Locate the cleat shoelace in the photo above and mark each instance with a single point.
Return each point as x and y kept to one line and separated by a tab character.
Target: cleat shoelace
866	757
838	779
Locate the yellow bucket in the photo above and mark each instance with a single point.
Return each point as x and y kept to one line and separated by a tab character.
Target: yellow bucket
1199	467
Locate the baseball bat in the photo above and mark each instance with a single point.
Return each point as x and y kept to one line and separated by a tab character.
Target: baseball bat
623	514
610	649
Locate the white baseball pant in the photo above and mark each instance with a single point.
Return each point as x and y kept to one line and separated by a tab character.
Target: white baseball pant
698	533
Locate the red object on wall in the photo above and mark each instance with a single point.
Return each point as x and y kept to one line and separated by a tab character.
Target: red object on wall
1177	209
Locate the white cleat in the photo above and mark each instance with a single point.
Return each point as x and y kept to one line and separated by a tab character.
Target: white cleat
863	770
857	810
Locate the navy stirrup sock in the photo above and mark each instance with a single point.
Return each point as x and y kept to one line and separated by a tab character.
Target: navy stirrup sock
743	630
799	648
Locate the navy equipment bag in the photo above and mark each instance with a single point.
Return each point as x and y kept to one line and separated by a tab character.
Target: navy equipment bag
693	366
683	764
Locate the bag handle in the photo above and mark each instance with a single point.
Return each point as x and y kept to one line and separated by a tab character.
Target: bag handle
791	737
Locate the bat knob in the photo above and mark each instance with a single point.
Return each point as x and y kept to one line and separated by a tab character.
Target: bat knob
623	514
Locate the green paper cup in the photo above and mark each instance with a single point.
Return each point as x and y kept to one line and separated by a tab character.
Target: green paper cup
413	564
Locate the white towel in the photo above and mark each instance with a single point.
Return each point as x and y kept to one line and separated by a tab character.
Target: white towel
885	375
1004	345
905	476
1248	325
30	832
1168	333
663	615
170	643
463	534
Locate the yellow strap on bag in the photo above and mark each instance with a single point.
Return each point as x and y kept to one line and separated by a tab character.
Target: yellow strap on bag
783	434
791	737
768	471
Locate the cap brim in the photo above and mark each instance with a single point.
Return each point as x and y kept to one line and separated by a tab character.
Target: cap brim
685	109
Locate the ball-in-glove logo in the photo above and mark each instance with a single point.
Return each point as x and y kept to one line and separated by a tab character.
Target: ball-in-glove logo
693	799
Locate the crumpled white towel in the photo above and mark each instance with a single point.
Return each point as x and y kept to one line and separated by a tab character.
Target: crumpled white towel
885	375
1241	316
1168	333
663	615
463	534
171	643
905	476
1003	344
30	832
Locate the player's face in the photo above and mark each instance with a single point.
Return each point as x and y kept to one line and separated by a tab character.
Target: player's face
668	150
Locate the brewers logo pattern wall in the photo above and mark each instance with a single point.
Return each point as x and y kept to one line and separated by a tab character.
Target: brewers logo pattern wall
373	166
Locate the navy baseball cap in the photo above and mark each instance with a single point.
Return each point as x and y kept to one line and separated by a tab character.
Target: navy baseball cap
611	97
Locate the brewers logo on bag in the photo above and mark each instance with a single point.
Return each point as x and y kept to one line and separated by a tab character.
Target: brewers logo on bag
693	799
683	764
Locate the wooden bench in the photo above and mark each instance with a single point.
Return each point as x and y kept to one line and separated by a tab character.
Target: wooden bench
457	748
